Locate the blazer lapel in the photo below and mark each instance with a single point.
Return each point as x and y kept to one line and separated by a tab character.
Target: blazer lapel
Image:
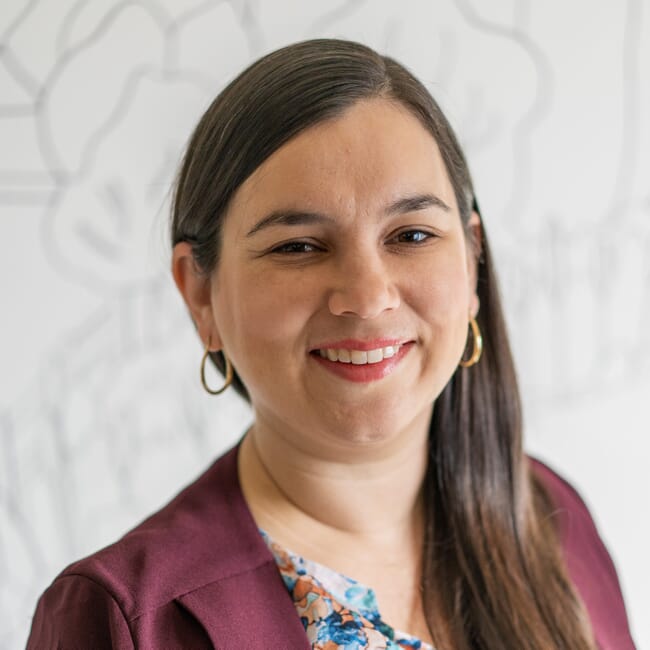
248	610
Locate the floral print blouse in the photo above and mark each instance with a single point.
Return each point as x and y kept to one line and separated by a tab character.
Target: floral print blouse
337	612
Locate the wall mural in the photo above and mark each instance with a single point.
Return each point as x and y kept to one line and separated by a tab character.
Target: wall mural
97	99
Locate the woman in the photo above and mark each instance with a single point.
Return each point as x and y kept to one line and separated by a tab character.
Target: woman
330	251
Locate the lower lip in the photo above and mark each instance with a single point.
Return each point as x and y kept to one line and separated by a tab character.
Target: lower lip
366	372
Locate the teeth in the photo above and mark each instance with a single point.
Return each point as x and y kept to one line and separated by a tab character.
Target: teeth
375	356
389	351
343	356
359	357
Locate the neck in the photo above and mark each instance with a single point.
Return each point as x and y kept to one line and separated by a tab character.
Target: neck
365	500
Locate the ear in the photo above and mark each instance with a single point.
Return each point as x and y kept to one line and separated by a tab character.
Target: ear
195	287
474	238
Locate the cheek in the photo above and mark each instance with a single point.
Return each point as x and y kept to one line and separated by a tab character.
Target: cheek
442	301
442	291
260	318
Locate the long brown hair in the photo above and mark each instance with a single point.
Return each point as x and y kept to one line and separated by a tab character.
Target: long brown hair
493	574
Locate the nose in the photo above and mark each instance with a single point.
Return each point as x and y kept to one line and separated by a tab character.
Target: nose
364	287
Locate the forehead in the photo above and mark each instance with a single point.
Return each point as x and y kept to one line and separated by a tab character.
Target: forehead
372	154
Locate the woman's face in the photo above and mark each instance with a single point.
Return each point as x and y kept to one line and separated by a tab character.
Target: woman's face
345	282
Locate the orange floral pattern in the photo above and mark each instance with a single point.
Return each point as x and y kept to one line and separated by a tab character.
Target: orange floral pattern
337	612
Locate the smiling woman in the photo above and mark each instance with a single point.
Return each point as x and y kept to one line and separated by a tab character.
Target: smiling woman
328	245
380	261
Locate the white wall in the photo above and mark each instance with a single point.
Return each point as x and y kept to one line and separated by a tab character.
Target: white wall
102	417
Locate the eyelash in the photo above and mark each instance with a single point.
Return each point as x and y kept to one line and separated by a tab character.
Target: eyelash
413	231
289	248
297	247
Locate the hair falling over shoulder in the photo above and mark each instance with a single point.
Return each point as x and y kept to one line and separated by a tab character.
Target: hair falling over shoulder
494	575
493	571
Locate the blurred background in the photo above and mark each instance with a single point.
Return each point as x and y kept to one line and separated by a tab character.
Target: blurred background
102	417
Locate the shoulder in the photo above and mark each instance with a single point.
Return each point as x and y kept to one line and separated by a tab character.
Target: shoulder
589	564
204	535
570	511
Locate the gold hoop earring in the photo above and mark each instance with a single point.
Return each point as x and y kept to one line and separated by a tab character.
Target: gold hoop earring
478	345
229	372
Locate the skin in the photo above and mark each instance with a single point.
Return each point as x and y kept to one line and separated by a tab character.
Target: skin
332	469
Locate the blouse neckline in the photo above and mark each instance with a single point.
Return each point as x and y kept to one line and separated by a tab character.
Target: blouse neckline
336	609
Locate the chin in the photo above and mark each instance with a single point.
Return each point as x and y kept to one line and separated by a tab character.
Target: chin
379	430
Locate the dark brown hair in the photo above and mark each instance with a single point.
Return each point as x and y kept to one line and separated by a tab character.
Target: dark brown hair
493	574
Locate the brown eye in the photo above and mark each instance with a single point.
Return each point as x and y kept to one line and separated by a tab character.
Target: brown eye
413	237
295	247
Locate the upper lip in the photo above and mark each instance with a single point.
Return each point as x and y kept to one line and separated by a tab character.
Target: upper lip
361	345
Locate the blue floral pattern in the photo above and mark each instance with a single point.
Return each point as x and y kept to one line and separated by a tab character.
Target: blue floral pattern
337	612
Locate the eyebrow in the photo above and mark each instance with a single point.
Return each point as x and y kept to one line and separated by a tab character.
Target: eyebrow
417	202
305	218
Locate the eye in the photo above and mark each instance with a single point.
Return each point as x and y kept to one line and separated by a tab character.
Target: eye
295	247
413	236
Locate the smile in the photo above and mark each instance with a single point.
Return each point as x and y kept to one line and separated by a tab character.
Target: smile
362	361
359	357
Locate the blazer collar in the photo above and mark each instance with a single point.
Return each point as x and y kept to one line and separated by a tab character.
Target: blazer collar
249	610
246	605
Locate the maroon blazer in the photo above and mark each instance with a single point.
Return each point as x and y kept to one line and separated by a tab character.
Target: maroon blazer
197	574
